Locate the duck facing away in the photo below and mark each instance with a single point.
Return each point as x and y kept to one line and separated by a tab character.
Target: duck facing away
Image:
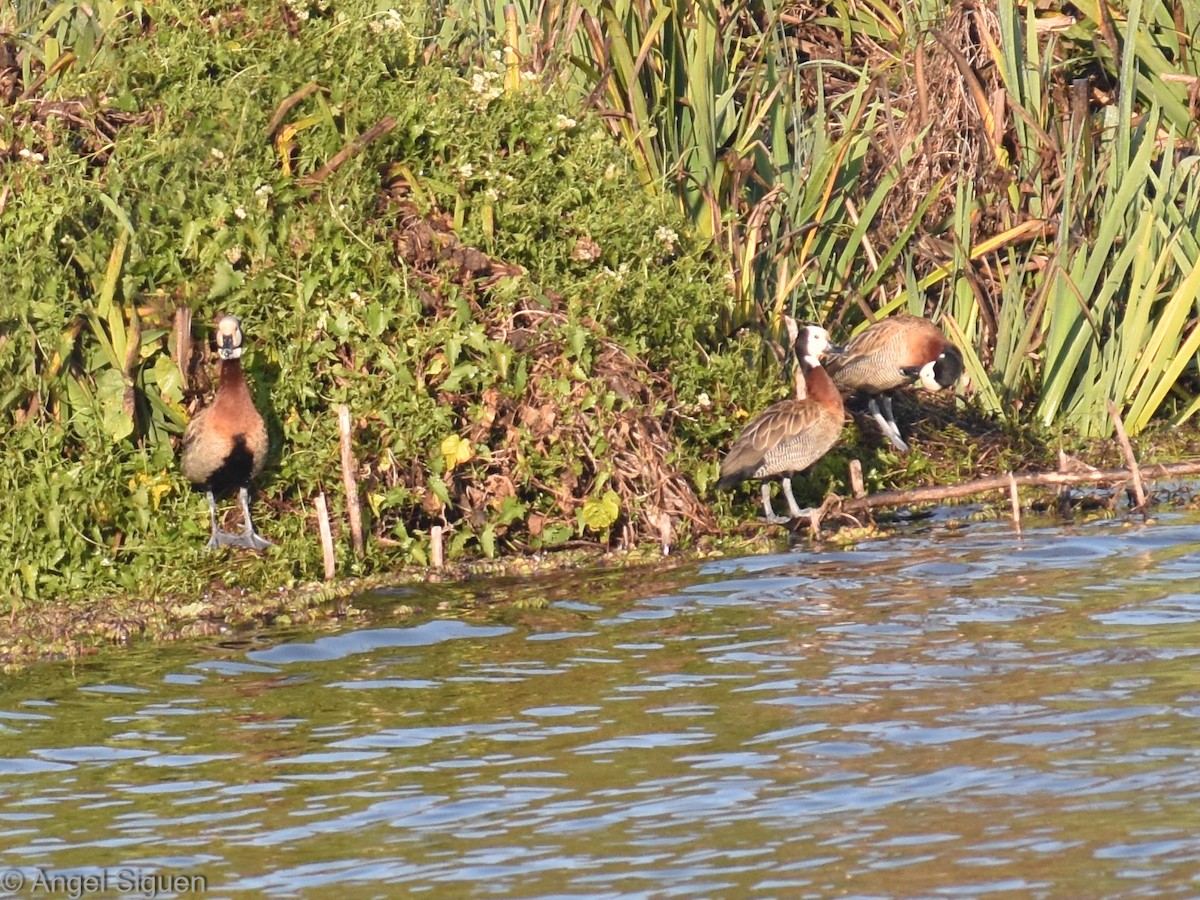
890	354
791	435
225	444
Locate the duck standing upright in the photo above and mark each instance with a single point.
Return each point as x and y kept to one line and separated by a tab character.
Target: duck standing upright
225	444
890	354
791	435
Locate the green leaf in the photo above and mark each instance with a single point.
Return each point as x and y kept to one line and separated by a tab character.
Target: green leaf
556	533
225	279
439	489
110	394
487	541
511	510
599	513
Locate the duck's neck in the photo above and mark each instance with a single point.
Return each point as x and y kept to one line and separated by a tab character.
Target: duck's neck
820	388
233	379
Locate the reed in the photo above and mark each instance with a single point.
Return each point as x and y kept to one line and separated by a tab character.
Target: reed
1025	190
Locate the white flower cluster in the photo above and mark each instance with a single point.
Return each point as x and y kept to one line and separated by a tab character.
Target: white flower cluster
390	21
619	274
488	86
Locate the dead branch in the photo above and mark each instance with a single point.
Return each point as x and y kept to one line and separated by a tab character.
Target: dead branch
1007	481
286	107
1130	459
383	126
67	59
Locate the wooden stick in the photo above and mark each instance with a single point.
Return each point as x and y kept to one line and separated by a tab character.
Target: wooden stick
383	126
326	536
183	342
1015	502
666	532
286	106
350	482
58	65
857	486
436	557
1001	482
1130	460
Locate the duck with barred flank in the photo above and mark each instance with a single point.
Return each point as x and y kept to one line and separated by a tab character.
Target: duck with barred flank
791	435
890	354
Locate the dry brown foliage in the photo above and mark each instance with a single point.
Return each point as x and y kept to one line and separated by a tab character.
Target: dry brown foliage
941	84
634	429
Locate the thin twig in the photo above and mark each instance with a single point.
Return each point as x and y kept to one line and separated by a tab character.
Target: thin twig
286	106
383	126
1014	499
857	485
183	342
57	66
512	60
437	557
1130	460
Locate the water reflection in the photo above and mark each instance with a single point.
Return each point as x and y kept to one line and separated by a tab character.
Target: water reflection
942	713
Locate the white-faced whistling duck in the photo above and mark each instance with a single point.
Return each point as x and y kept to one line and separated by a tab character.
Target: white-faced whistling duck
791	435
890	354
225	444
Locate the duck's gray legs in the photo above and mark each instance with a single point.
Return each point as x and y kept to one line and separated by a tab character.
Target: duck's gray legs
249	538
886	421
793	507
219	538
768	510
212	514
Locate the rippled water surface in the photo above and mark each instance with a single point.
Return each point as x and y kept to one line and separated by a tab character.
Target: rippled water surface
952	712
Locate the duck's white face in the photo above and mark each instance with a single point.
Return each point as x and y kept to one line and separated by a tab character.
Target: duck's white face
815	341
943	372
928	378
229	337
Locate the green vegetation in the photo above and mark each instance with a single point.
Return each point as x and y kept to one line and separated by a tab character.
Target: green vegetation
485	286
538	256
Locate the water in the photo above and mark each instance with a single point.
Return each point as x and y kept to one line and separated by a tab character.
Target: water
953	712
